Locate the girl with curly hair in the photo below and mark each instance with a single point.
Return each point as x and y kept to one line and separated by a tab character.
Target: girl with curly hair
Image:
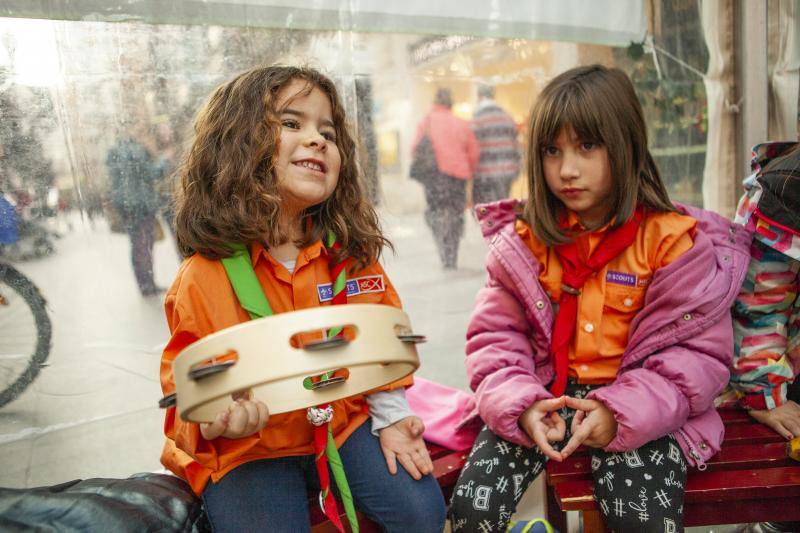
271	176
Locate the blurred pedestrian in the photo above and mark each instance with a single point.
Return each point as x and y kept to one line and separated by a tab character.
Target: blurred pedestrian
134	174
455	155
499	161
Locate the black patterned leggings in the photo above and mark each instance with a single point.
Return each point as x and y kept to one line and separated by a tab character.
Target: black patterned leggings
639	490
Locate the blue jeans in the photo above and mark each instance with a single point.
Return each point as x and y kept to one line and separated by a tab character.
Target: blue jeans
272	494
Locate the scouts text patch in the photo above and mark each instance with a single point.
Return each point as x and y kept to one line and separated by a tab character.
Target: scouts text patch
355	286
621	278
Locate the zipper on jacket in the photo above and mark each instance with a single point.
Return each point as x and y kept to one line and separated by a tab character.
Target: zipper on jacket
695	455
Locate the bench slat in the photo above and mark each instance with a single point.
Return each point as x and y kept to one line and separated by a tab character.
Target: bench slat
706	513
766	484
741	456
750	433
734	416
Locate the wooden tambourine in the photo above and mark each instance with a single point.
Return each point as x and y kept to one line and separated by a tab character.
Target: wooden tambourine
258	356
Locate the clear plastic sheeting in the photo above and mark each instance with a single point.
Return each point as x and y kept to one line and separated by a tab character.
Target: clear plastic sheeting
75	86
608	22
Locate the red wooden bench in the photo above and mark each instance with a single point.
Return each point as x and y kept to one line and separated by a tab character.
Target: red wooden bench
751	480
446	468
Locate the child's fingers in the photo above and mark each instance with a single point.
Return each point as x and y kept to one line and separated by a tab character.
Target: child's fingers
557	429
391	460
581	404
211	431
544	446
416	426
771	422
408	463
263	414
577	439
781	429
237	421
252	416
577	420
246	394
551	404
793	426
427	460
422	462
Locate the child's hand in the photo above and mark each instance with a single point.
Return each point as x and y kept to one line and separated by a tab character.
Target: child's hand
784	419
544	425
593	425
242	419
403	441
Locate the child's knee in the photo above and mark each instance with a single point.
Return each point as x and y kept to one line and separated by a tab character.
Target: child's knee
422	508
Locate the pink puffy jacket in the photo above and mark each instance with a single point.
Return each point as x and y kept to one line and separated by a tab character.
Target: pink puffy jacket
679	349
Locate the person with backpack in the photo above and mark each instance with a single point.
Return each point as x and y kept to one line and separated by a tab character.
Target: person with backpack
445	154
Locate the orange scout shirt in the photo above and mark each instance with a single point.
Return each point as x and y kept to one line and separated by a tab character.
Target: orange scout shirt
201	301
609	300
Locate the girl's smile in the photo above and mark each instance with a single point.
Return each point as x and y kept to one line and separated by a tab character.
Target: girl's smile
315	165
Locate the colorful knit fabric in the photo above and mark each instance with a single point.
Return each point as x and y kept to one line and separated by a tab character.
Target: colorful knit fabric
766	314
766	322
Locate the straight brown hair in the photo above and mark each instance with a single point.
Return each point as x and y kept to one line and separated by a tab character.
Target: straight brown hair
228	193
600	104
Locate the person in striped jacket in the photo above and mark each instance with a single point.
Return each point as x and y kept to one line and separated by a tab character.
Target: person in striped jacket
499	162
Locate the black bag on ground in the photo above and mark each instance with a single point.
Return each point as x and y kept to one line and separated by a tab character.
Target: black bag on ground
143	502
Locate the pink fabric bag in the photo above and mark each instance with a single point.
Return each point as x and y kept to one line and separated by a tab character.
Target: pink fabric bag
442	408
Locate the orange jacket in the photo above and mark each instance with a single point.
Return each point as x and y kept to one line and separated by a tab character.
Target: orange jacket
609	301
201	301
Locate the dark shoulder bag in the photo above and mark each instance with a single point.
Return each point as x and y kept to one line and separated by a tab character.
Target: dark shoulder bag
424	168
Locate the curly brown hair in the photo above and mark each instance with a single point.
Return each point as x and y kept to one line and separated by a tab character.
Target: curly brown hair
600	104
228	193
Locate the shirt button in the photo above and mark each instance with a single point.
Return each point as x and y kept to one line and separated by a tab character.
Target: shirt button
483	210
628	302
687	316
588	328
489	223
539	304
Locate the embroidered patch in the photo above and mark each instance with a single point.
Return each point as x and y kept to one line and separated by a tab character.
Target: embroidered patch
621	278
356	286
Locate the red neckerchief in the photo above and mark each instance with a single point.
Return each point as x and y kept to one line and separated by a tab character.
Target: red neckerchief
575	273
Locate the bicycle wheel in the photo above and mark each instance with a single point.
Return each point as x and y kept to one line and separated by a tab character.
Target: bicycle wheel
25	332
